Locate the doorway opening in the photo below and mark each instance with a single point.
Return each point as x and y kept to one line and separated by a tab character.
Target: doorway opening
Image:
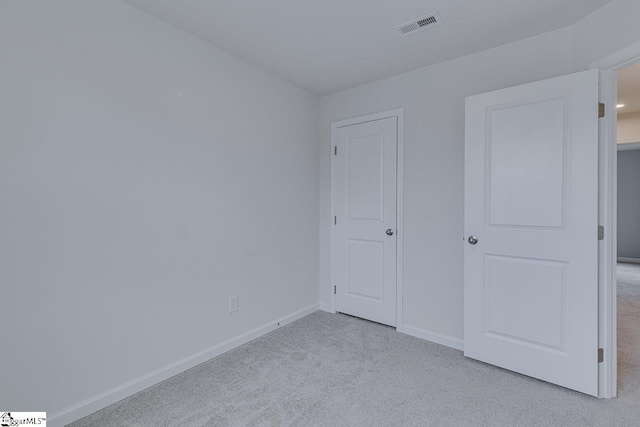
608	68
628	221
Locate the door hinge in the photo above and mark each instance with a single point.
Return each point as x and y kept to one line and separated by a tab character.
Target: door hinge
335	220
601	109
335	150
334	289
600	232
600	355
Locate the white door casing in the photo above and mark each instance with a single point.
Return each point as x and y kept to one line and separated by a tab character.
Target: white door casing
608	68
365	209
531	199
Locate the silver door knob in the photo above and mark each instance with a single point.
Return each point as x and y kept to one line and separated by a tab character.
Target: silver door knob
389	232
473	240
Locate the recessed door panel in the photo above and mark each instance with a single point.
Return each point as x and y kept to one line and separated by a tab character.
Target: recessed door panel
526	150
524	300
364	188
365	261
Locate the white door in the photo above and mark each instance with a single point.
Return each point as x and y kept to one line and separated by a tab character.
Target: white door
365	220
531	202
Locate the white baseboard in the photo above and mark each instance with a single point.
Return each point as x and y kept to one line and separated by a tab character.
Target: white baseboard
326	307
102	400
437	338
632	260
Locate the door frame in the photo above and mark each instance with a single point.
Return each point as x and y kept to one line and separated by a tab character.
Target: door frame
399	114
607	207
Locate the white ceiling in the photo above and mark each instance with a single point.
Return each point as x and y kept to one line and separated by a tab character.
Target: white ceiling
629	89
329	45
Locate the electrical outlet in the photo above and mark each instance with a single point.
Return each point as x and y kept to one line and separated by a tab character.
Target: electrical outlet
233	304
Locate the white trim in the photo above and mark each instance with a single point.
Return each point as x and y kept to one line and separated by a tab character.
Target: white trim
434	337
607	196
620	59
102	400
326	307
400	223
607	257
631	260
399	113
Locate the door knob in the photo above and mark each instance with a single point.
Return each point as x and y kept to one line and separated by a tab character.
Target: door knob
389	232
473	240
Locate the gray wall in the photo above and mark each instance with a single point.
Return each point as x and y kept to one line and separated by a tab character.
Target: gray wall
629	204
145	177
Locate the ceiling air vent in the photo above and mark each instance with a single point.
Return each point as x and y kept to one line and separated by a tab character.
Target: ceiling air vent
419	24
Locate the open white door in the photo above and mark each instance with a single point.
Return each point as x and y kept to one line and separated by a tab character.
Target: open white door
531	227
365	223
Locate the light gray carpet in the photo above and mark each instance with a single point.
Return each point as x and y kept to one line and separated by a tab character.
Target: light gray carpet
629	330
336	370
